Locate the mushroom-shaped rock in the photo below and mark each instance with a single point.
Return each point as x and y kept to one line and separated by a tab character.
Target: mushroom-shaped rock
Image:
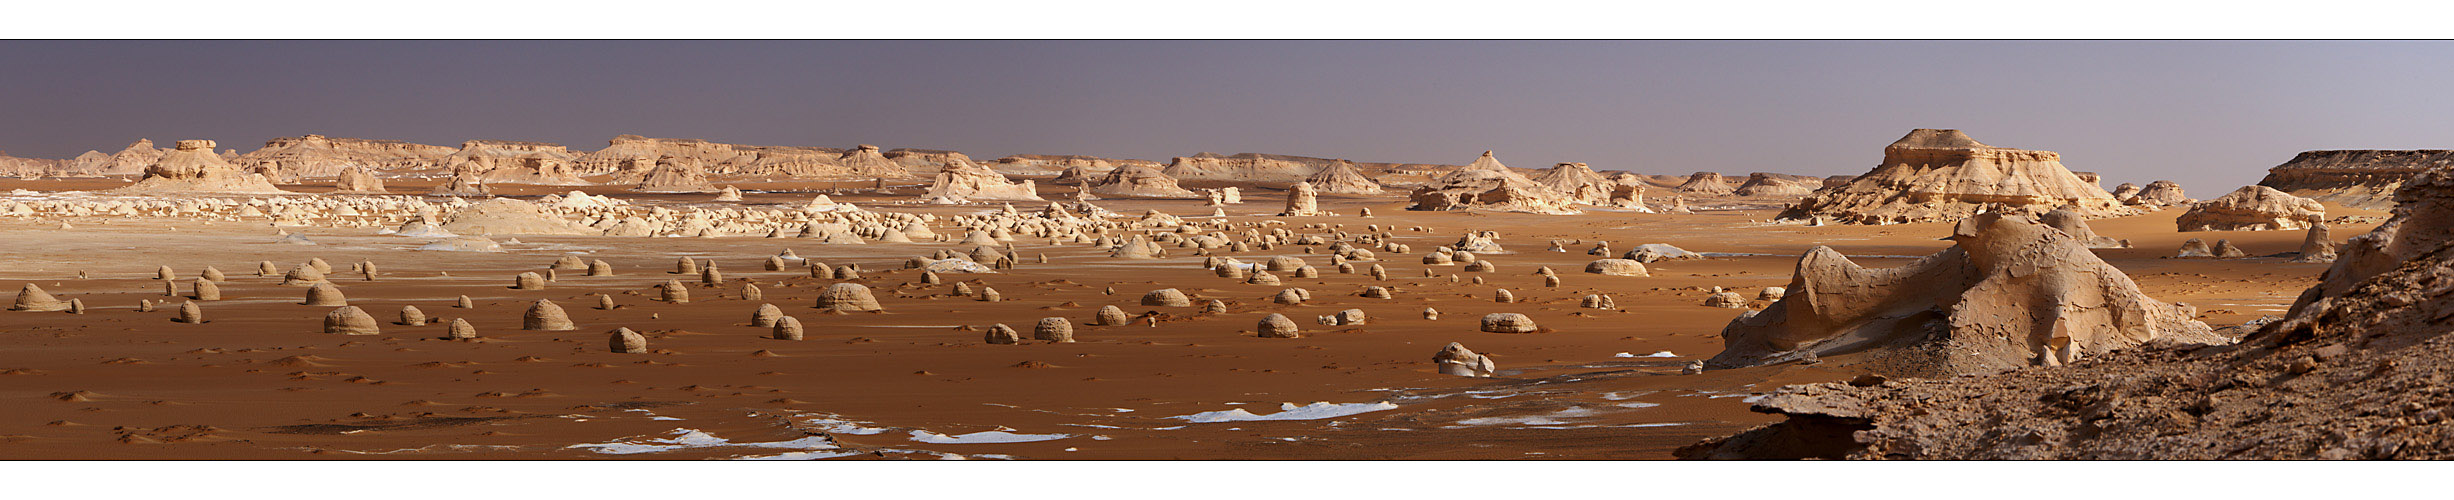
528	281
460	330
766	316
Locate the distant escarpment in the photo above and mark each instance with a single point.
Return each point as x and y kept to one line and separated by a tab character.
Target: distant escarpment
2358	178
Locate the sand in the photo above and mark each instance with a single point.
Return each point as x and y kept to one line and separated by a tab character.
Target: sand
260	381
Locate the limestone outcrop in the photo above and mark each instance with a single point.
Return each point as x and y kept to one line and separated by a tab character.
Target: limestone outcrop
194	168
1249	167
676	175
316	156
2363	178
2011	293
963	180
506	216
1940	175
1342	178
2351	371
1706	184
1487	184
2252	208
358	180
1139	181
2157	194
1770	185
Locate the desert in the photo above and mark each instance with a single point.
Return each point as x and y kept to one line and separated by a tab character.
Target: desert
331	298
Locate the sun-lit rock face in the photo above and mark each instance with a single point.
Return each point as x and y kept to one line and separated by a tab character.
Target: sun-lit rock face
2361	178
964	180
317	157
1342	178
2013	292
1940	175
676	175
1140	181
2253	208
1487	184
1252	167
1774	185
194	168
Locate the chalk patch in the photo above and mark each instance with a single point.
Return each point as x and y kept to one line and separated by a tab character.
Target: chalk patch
1289	411
984	437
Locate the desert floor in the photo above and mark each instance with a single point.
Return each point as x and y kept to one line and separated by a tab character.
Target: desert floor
259	380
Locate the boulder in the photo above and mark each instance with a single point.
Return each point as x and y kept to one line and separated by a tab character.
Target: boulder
2252	208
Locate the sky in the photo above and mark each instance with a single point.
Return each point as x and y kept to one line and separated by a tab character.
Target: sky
2212	115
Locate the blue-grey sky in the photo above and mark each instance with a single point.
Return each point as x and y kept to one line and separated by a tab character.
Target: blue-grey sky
2212	115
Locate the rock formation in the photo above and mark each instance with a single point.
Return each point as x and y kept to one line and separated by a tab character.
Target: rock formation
963	180
1487	184
1302	201
2317	246
2069	222
2252	208
676	175
1244	167
1457	360
315	156
2364	179
503	216
1770	185
358	180
2157	194
194	168
1139	181
1342	178
2351	371
1937	175
1706	184
2012	292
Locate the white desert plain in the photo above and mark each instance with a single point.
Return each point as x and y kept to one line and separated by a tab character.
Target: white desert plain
341	298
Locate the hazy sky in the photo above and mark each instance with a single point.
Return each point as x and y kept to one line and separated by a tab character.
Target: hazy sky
2212	115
